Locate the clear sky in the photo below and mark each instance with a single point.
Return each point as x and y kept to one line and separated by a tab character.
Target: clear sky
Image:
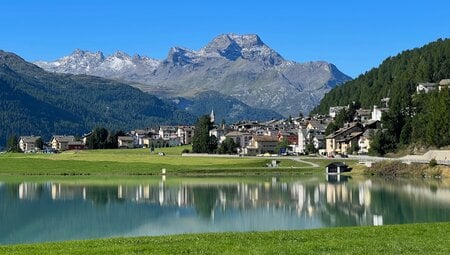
353	35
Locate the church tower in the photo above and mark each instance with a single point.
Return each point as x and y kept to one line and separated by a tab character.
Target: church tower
212	116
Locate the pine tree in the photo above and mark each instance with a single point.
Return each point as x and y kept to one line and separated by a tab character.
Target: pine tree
202	142
98	139
281	146
13	144
331	128
228	146
39	143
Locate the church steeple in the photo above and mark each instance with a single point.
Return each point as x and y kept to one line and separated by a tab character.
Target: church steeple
212	117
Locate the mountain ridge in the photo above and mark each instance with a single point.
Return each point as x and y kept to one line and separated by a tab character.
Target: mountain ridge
36	102
241	66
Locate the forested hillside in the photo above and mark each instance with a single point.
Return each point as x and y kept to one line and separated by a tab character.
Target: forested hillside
225	108
395	76
412	119
33	101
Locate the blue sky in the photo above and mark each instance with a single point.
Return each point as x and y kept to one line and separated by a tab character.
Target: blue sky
353	35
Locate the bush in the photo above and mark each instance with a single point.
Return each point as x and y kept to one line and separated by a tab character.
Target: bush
185	151
394	168
433	162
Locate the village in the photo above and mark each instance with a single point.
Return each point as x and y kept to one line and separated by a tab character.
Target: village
304	135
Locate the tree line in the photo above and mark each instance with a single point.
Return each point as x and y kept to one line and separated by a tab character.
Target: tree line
101	138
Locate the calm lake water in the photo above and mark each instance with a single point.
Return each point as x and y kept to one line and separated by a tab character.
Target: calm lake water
51	211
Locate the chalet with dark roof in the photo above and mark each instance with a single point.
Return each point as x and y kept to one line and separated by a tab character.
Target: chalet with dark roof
28	143
61	142
343	139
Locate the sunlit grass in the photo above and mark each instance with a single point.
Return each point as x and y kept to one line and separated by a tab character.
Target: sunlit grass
430	238
138	162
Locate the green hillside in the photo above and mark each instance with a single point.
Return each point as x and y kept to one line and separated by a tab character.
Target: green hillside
33	101
396	75
225	108
412	119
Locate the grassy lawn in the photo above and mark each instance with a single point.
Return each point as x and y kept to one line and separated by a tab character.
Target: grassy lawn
430	238
138	162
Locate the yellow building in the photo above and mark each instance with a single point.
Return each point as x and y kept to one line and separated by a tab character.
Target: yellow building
340	141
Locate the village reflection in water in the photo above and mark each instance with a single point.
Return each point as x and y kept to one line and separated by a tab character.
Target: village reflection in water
335	202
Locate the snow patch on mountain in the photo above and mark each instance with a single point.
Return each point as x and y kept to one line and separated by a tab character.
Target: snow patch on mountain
95	63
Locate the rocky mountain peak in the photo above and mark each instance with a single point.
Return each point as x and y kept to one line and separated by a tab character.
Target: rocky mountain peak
233	46
121	55
181	56
246	41
137	57
228	46
243	41
85	54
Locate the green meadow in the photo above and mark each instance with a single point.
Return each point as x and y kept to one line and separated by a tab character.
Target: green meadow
142	162
430	238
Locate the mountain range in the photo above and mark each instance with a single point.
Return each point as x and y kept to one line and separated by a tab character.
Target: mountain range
240	66
36	102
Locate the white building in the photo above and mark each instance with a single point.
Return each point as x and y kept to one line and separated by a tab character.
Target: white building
168	132
185	134
444	83
378	112
302	141
61	142
125	142
138	136
242	139
426	87
28	143
334	110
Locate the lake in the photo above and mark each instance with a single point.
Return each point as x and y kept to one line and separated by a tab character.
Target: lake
74	209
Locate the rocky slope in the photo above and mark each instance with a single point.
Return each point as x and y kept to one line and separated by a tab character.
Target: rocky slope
241	66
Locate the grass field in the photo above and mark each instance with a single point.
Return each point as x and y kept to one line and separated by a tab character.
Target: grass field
139	162
430	238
